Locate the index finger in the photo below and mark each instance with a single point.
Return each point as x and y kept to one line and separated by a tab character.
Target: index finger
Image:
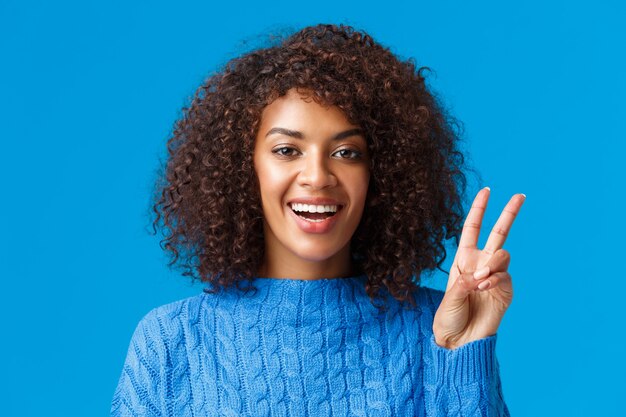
474	219
501	229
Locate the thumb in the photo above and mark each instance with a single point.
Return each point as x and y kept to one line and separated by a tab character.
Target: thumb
464	285
453	314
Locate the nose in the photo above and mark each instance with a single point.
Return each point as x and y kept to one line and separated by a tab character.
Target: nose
315	172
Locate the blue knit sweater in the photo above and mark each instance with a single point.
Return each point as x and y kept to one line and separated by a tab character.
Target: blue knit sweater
303	348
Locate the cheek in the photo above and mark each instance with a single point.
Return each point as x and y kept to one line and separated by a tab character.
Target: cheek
361	185
273	183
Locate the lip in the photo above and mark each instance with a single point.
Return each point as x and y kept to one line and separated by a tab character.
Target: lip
323	226
315	201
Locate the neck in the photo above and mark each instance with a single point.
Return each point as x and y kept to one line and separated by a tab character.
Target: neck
277	265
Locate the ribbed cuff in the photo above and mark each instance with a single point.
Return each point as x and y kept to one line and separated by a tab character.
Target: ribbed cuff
472	362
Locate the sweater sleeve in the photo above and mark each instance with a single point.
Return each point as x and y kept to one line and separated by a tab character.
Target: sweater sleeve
464	381
140	387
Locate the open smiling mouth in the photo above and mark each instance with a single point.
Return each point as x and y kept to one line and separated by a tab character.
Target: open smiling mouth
315	213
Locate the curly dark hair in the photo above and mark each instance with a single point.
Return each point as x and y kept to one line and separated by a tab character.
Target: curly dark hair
207	199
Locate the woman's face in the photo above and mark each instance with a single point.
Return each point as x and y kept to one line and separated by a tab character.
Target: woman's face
309	158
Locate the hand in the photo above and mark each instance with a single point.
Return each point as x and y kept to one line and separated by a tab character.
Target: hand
469	312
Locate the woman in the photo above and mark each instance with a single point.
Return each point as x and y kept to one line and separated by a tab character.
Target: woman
309	185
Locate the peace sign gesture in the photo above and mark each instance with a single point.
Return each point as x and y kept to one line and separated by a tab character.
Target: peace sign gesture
479	289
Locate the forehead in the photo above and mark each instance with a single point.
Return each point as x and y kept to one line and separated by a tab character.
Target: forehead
300	112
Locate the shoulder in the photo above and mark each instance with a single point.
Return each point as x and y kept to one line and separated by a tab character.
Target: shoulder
431	295
428	298
167	322
175	309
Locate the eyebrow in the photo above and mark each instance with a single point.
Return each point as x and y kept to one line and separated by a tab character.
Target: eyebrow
299	135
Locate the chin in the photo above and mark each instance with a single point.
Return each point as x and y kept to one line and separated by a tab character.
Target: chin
315	253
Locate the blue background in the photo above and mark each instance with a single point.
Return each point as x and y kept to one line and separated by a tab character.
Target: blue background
89	92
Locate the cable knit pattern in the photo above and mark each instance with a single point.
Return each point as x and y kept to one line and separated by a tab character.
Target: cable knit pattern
303	348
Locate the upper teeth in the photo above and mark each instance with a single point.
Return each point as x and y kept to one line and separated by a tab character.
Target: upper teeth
312	208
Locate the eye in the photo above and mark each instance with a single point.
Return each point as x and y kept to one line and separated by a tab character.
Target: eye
349	154
284	151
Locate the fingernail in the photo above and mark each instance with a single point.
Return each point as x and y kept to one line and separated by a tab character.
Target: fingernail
523	195
481	273
484	285
487	188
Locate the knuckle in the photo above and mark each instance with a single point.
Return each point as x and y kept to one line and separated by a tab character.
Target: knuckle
471	225
503	277
468	282
464	281
500	231
503	254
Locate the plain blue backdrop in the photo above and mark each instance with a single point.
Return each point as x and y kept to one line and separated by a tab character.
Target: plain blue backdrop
89	92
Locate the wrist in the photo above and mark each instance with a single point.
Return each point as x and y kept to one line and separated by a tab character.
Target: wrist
446	342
